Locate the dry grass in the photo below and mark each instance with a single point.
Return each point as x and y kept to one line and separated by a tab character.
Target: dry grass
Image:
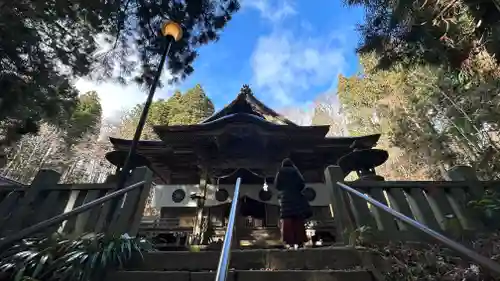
412	262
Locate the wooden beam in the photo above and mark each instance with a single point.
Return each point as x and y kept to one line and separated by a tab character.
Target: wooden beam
197	229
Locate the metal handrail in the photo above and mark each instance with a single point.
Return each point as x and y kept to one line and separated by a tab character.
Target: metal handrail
8	241
466	252
225	255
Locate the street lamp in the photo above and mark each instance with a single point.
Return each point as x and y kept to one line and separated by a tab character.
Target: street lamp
172	32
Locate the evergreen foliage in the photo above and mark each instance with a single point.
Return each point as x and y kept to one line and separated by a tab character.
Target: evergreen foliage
429	84
48	43
193	107
434	117
180	109
59	258
86	119
74	149
457	34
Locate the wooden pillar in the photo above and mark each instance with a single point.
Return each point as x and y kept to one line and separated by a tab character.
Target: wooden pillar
207	230
459	197
168	180
343	222
468	175
198	225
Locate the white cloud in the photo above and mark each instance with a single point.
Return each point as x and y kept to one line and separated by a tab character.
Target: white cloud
272	10
300	115
116	97
289	63
286	65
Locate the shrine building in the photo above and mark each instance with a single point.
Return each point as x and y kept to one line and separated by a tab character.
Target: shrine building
196	167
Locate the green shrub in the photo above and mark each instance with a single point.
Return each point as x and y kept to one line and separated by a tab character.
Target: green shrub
489	207
59	259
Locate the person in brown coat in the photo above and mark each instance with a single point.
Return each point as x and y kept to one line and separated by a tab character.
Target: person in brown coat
294	208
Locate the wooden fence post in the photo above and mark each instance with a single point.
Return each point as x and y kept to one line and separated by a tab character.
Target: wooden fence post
468	175
127	216
140	204
101	214
24	211
344	224
467	216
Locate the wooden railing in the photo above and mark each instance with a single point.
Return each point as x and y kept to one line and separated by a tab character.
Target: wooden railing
487	263
24	207
442	206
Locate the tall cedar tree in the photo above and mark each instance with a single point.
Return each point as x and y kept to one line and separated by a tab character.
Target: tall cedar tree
180	109
69	150
423	111
440	32
86	119
48	43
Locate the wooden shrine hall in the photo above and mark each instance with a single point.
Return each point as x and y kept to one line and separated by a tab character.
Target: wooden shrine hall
196	167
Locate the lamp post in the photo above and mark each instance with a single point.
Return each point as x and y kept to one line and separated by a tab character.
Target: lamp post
172	32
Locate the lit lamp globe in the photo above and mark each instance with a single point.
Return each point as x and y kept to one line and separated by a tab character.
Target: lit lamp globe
173	29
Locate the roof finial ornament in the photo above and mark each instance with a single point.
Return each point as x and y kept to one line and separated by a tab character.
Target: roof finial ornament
245	90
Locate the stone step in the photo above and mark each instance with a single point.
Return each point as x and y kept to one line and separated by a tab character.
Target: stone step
276	259
245	275
261	243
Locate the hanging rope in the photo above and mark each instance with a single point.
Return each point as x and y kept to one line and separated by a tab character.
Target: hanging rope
236	170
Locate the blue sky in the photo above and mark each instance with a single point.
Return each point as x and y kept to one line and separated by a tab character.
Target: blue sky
289	51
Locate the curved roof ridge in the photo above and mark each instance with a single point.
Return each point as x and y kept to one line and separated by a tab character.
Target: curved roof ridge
247	97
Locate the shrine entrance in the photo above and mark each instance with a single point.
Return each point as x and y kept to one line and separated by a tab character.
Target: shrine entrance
257	223
258	214
253	211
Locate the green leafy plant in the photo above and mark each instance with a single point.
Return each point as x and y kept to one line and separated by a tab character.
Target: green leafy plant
58	259
489	207
490	202
195	248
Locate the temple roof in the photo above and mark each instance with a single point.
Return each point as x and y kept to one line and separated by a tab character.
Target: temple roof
218	126
181	160
328	142
244	110
246	102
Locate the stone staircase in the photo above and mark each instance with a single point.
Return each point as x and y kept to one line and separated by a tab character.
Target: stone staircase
261	237
318	264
